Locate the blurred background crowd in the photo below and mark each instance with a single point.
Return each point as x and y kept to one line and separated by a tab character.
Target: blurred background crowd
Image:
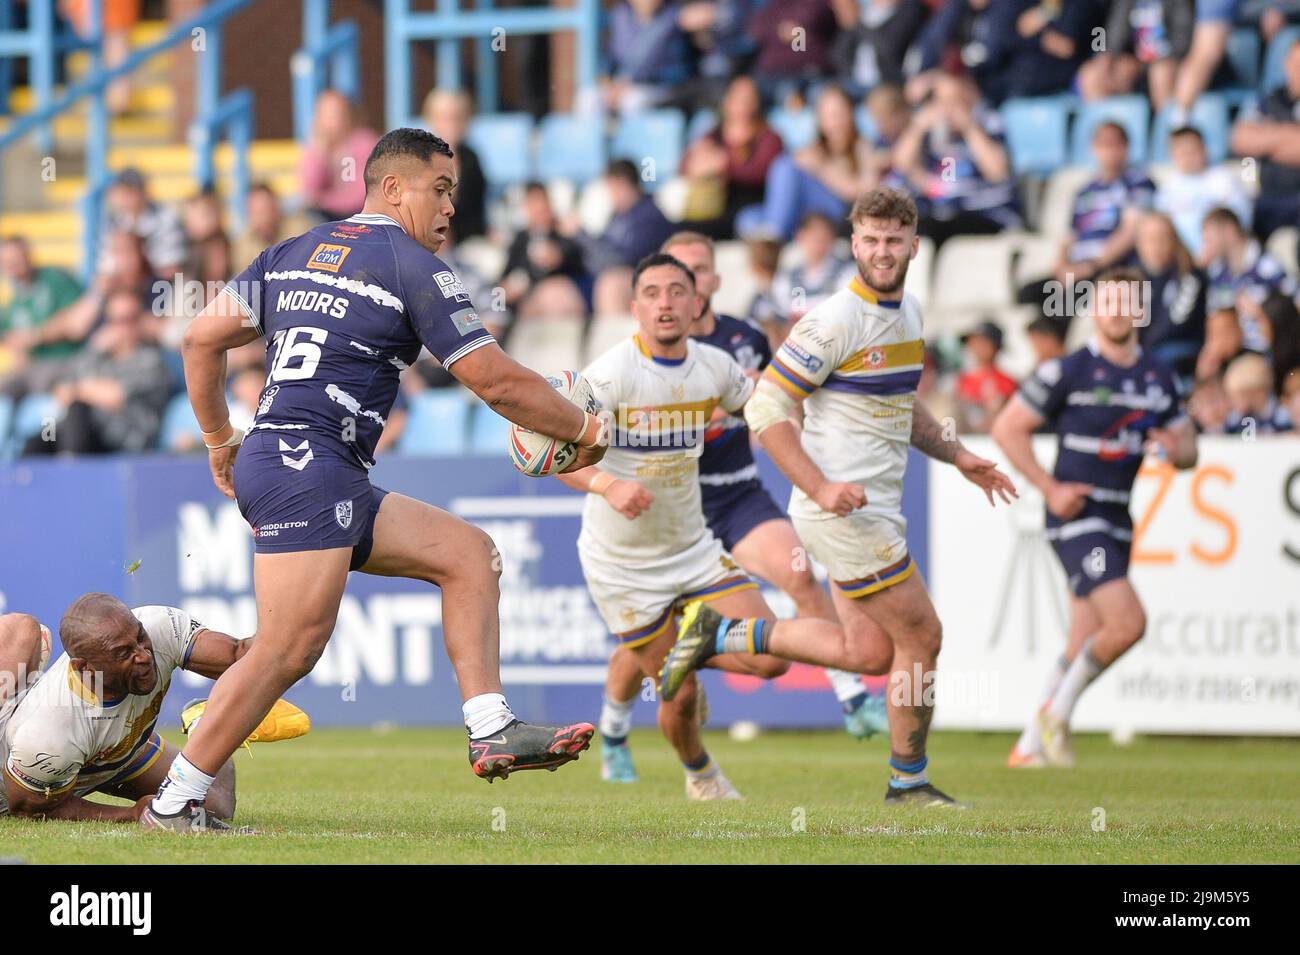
1043	142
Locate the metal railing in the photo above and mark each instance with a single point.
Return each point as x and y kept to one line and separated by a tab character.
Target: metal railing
451	24
231	115
328	59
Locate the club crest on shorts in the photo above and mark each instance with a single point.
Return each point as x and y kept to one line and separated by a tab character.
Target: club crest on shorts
343	514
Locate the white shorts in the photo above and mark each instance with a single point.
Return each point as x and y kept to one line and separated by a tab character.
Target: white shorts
863	553
637	602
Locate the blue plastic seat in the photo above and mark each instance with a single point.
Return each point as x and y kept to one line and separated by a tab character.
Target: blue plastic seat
866	125
435	423
6	419
701	123
1131	112
30	418
1243	55
489	432
570	146
657	135
796	129
1274	73
1036	132
503	142
178	420
1209	114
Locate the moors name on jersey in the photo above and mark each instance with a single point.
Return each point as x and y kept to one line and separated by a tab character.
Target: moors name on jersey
345	308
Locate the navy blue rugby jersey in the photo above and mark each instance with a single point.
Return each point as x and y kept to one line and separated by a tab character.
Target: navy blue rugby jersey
344	308
1101	414
727	457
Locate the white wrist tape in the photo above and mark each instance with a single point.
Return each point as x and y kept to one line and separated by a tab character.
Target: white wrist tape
768	405
236	438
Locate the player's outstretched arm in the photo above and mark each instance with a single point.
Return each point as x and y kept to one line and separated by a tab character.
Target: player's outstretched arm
221	326
524	397
941	443
32	805
214	653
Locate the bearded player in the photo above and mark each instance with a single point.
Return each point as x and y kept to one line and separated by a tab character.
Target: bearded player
343	309
741	513
1108	403
854	363
87	725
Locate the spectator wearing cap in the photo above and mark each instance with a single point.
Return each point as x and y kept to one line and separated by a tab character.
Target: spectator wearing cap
334	158
447	114
1104	220
1145	41
1046	338
1270	132
955	161
1194	187
112	397
982	387
36	295
1174	326
1242	276
128	208
1252	405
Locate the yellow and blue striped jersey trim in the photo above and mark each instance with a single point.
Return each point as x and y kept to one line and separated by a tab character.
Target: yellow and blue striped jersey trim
722	588
647	634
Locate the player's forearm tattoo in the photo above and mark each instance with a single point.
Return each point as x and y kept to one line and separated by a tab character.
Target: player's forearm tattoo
929	439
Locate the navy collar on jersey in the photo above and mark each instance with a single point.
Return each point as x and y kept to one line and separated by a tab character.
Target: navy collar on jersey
655	358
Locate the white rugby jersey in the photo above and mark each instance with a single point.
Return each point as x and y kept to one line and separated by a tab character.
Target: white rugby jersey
660	410
63	736
856	362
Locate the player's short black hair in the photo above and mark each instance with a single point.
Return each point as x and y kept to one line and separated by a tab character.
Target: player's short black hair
661	258
402	143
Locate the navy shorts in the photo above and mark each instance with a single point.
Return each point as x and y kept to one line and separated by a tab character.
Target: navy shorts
733	510
299	491
1092	559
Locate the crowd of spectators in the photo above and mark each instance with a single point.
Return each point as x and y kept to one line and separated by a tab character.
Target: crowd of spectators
904	93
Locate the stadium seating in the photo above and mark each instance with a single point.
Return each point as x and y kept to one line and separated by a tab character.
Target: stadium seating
736	294
178	420
605	332
657	135
1036	132
1209	114
1282	246
489	432
570	146
920	274
1131	112
436	423
547	345
1274	74
1056	211
976	281
700	123
796	128
866	125
1243	55
6	419
503	142
28	420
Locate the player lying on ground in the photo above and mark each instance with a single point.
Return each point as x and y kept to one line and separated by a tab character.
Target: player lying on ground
88	723
854	362
344	308
1108	403
740	512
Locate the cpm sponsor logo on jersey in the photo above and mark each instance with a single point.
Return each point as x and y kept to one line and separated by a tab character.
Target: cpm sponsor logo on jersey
328	257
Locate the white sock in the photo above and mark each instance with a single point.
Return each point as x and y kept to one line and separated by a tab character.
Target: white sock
184	782
485	714
616	719
1030	740
846	685
1083	671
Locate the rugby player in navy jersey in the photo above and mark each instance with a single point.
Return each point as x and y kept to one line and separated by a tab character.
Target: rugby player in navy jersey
344	308
1108	403
740	512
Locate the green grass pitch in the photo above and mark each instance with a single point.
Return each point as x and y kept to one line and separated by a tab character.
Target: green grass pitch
408	796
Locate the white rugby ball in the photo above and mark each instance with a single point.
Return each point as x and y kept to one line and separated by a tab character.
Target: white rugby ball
538	455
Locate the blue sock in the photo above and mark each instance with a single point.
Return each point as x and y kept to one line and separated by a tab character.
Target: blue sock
907	775
613	740
700	767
